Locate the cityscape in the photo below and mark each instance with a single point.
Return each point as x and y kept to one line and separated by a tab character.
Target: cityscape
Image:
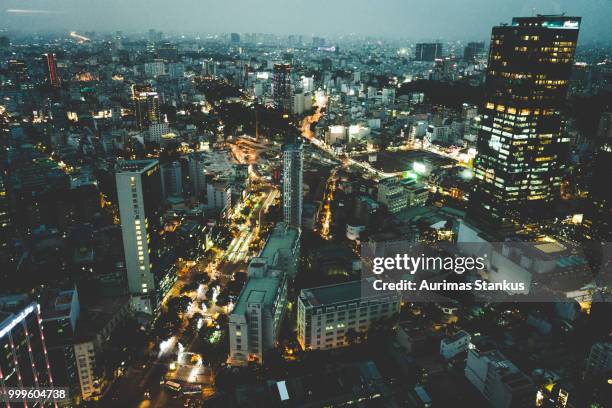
249	216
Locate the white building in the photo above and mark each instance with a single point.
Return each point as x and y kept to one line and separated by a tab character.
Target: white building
438	134
335	134
392	194
156	131
357	133
138	181
308	84
219	196
255	321
326	313
498	379
416	193
455	344
90	345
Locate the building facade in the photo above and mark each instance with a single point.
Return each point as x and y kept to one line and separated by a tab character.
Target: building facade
23	361
255	322
293	182
499	381
140	197
282	94
392	194
326	313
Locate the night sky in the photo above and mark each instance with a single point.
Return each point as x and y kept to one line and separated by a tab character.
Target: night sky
414	19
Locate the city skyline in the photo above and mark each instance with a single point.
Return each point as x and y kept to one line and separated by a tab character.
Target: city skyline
307	221
467	20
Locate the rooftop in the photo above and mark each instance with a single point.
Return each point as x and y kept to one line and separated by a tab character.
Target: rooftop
283	237
257	290
135	166
330	294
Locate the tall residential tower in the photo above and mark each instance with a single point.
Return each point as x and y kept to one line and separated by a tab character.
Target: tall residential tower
281	88
140	197
293	176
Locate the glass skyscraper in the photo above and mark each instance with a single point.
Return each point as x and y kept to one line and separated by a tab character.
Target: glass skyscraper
521	146
23	354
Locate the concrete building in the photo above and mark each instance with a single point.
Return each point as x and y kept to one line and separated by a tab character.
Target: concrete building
60	311
392	194
139	195
219	196
326	313
156	131
172	179
154	68
255	321
99	322
455	344
23	360
416	193
499	381
600	359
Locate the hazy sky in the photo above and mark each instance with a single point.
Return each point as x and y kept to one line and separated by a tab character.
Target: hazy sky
418	19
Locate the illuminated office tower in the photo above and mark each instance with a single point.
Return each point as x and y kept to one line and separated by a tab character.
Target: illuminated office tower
52	77
281	88
293	176
23	356
140	197
146	105
521	148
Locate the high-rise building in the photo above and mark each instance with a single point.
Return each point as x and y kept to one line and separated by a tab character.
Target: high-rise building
23	360
281	88
428	51
521	146
172	179
197	173
474	51
52	76
326	313
598	218
146	105
235	38
293	179
140	198
60	310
